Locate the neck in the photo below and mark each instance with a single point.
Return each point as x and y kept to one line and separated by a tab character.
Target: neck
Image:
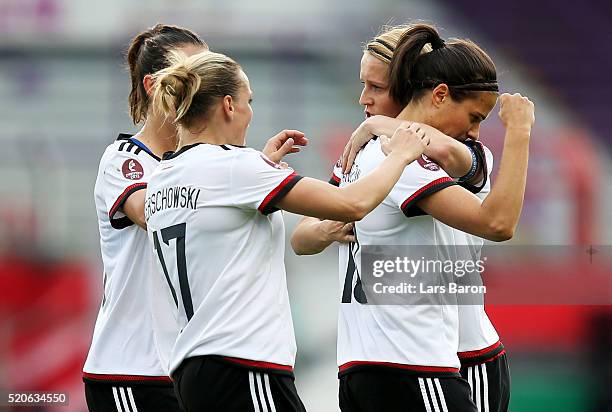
158	135
212	132
413	113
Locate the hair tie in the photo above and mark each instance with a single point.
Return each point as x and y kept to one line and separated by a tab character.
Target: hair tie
438	43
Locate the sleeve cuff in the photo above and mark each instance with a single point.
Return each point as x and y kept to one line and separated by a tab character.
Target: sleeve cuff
409	206
268	205
334	180
125	221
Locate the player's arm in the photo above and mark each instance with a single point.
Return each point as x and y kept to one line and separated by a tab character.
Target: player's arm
312	235
452	156
497	216
311	197
134	208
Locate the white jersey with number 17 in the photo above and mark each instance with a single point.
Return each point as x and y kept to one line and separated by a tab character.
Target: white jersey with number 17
220	247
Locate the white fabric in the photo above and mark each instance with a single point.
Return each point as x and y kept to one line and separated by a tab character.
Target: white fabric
422	335
123	342
234	254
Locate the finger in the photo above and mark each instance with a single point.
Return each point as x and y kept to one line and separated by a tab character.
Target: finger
347	239
283	165
293	133
350	160
298	137
347	229
384	144
345	154
285	148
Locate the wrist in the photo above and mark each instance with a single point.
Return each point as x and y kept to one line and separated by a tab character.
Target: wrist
324	233
402	158
520	129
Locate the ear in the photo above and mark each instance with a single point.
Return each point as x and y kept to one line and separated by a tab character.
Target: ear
228	106
440	95
147	82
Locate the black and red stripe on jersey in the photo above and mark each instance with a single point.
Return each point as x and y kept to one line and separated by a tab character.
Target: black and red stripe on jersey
127	379
260	366
268	205
487	354
420	370
409	206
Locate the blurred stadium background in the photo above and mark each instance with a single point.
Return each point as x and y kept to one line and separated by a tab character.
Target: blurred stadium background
63	93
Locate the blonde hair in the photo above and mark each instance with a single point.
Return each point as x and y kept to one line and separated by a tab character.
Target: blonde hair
383	45
191	86
147	54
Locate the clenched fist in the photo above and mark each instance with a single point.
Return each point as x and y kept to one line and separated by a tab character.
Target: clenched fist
516	111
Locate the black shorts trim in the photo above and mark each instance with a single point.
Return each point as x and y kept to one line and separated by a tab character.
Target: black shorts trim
487	354
259	366
127	380
389	367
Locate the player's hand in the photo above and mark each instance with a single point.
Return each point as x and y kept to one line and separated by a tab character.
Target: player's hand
516	111
284	143
338	231
407	141
360	137
363	134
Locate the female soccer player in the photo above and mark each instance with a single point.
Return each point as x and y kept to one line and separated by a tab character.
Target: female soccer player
123	370
126	368
210	216
373	345
482	355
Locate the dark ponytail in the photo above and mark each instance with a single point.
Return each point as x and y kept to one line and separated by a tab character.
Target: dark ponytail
147	54
460	64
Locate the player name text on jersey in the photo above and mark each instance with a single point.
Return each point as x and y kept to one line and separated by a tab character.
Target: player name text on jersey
171	198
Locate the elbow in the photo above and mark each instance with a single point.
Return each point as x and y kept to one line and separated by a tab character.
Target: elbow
444	158
141	221
357	211
295	245
500	232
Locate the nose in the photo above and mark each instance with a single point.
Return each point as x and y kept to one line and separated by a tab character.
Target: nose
364	98
474	132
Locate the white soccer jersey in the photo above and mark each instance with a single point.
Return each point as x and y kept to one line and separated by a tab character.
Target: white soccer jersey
123	345
421	338
478	339
221	251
